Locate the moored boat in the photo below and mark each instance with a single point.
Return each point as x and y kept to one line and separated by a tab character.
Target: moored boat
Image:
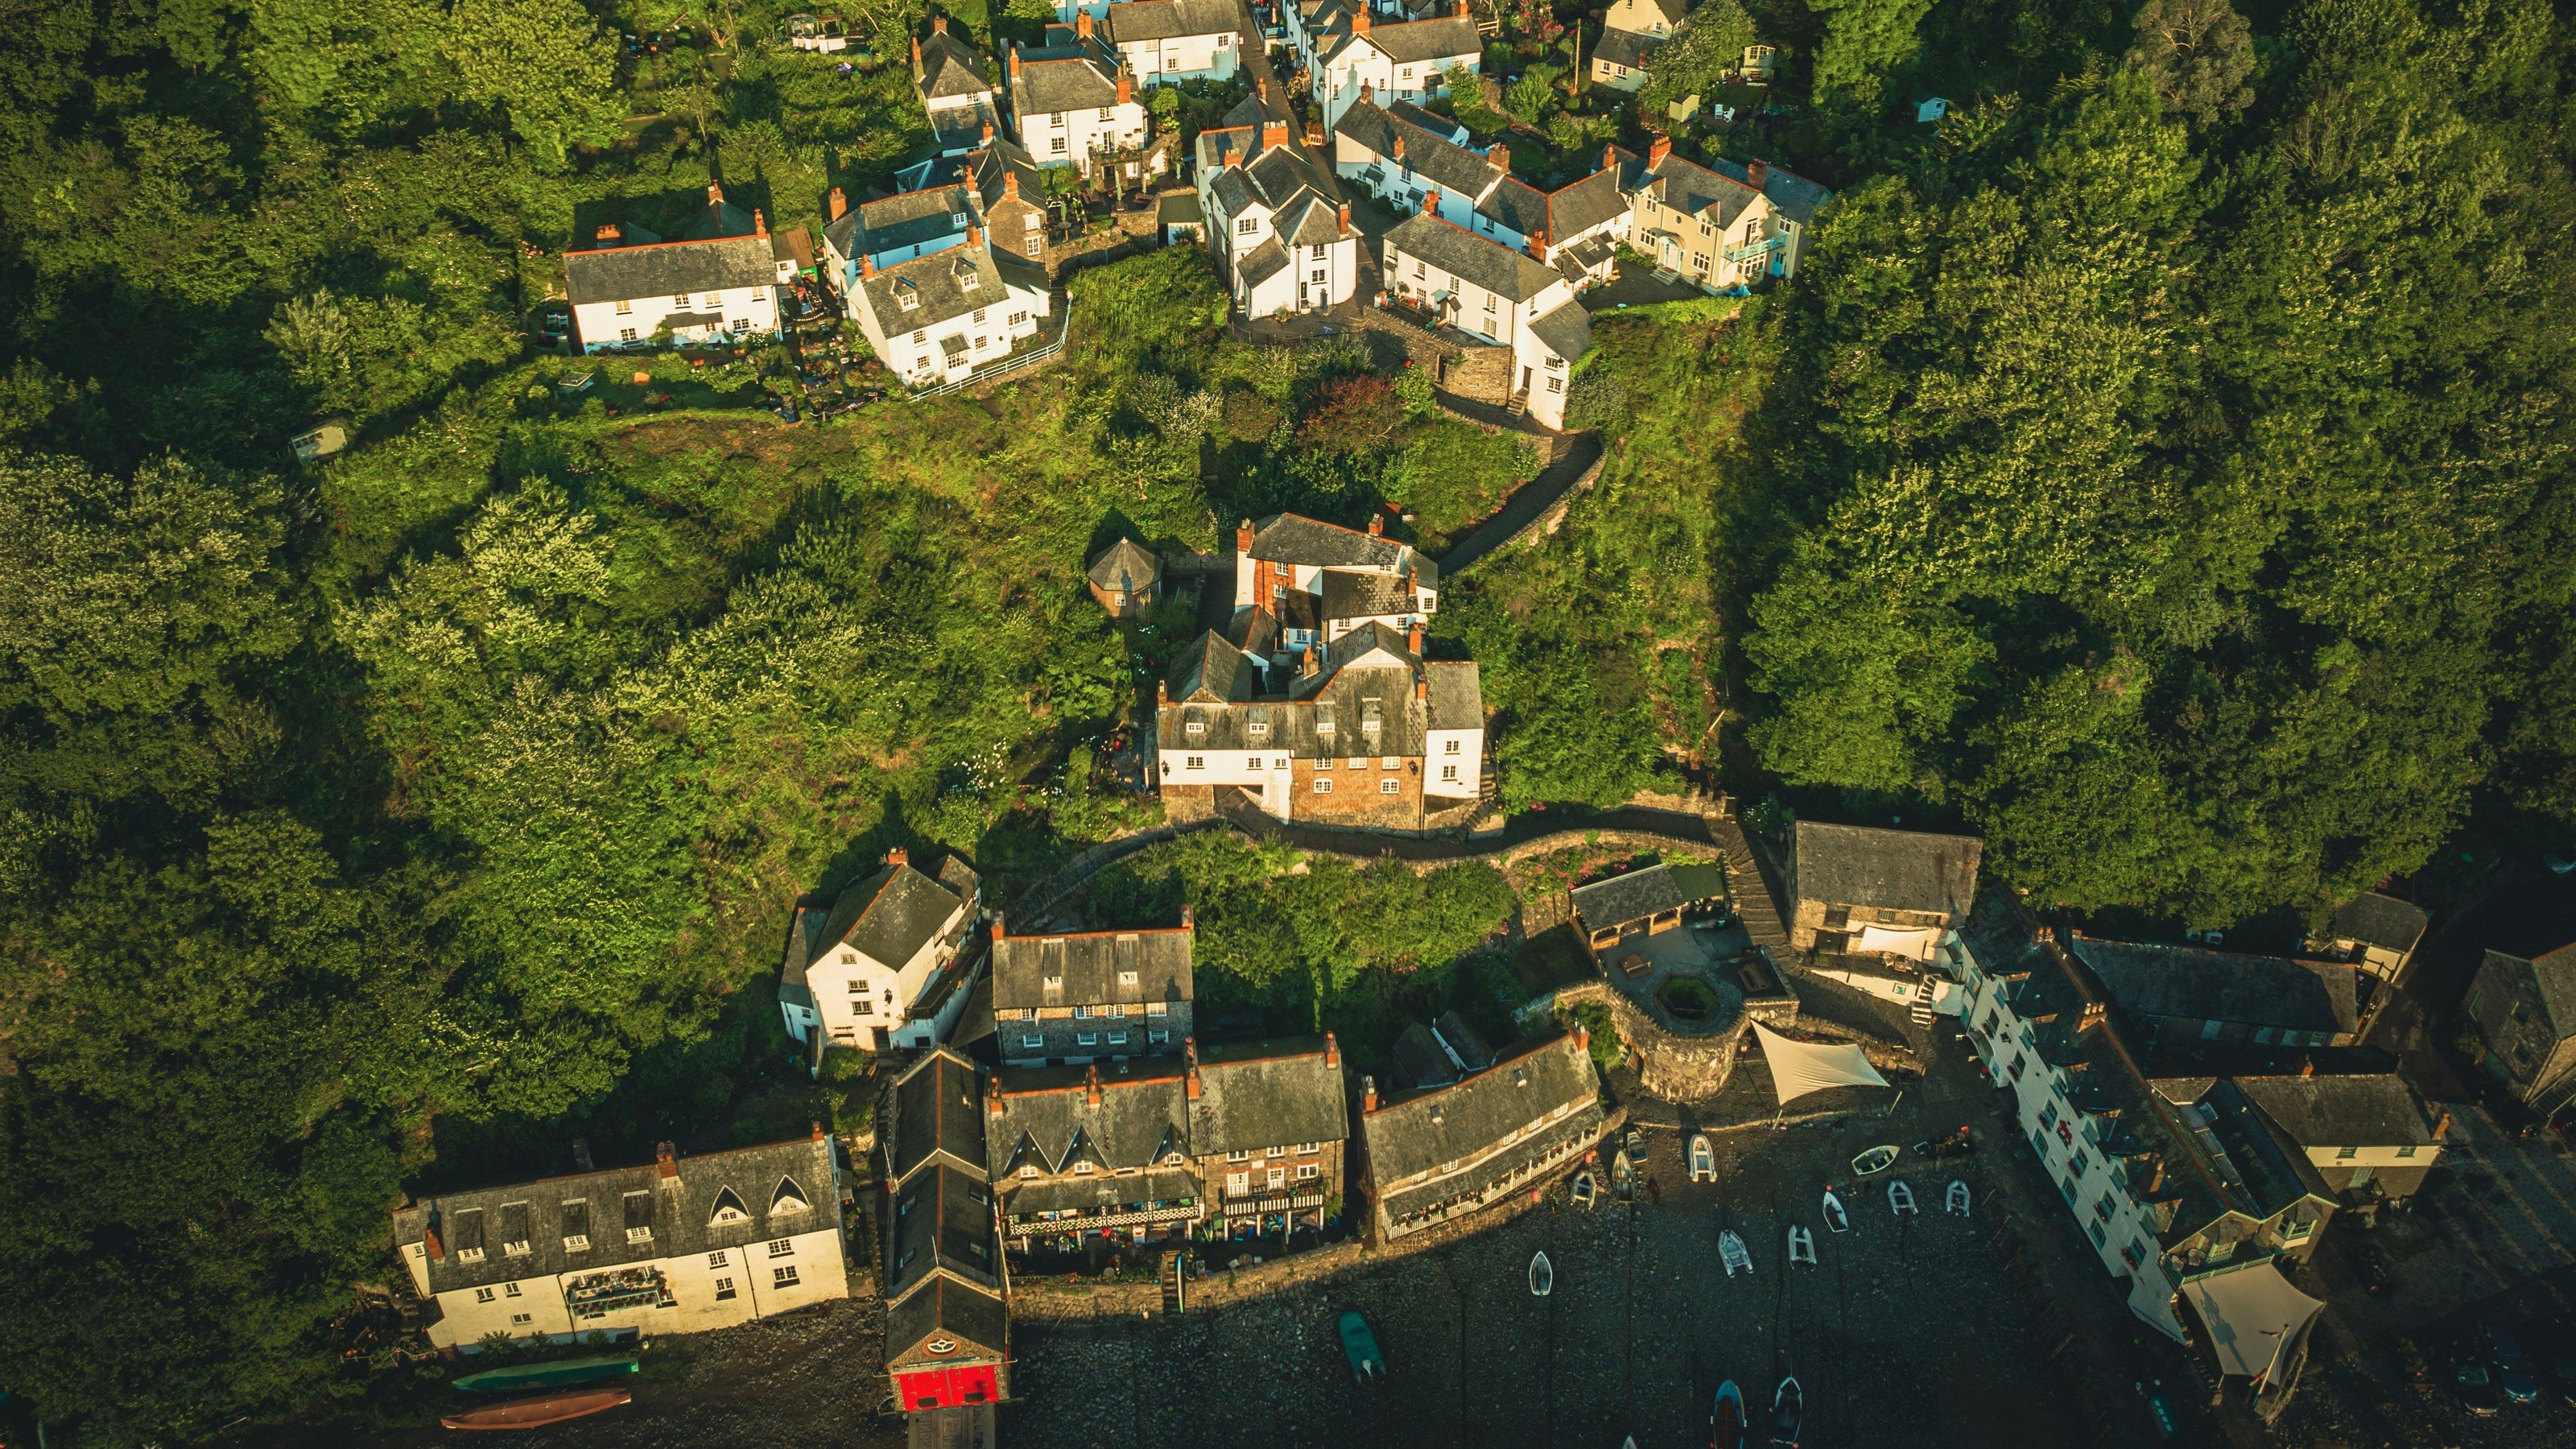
1360	1346
1732	1252
538	1412
1836	1220
1788	1409
1585	1190
1726	1421
1703	1160
547	1375
1542	1276
1877	1159
1900	1197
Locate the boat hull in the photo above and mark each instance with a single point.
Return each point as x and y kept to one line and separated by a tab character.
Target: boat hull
547	1375
539	1412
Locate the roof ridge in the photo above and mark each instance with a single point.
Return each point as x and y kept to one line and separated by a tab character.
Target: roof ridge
686	241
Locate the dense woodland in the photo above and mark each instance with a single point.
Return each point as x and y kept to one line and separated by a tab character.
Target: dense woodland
2162	468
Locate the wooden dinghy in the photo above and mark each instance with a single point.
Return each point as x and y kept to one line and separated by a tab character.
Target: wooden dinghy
1731	1251
1877	1159
1726	1420
1836	1220
1802	1247
1623	1176
1585	1190
1703	1159
539	1412
1958	1199
547	1375
1900	1198
1542	1276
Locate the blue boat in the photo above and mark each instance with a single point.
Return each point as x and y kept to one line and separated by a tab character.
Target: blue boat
1726	1420
1360	1345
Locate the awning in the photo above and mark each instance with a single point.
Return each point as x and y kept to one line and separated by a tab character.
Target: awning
2253	1316
1800	1067
1912	943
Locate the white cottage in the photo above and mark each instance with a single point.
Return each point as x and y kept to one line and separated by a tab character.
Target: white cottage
1279	240
630	288
883	965
1506	297
937	318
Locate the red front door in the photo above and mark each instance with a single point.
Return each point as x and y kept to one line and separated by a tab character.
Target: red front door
946	1388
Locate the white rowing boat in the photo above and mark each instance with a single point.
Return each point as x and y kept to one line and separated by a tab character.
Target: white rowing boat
1542	1276
1703	1159
1835	1218
1958	1199
1802	1246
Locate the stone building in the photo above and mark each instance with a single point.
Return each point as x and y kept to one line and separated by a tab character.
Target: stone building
944	1283
2522	1008
1125	579
1861	890
1086	996
1268	1123
2378	933
2191	998
1638	903
1443	1152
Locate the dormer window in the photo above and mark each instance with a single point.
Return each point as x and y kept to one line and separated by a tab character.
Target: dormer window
576	1227
1054	983
1029	1171
956	218
639	1217
907	296
728	1210
968	281
1084	1169
1324	720
1256	722
789	1198
1126	978
1194	726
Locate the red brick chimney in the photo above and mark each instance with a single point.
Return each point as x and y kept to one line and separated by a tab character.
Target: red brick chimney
1261	88
2308	1067
1658	150
1757	174
1360	20
1332	1052
867	265
1346	218
1368	1095
1582	1037
1368	91
974	235
938	25
666	1161
1190	919
1413	637
1011	183
1273	133
898	856
759	223
1190	1054
1126	81
609	232
1609	155
715	193
1015	62
818	1131
1377	525
1091	1087
1243	536
916	53
1500	157
1398	153
1082	24
1462	9
993	1096
839	203
999	934
2441	1123
1431	201
436	1248
1538	246
988	133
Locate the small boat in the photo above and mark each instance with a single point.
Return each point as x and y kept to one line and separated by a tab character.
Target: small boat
1703	1160
1900	1198
1877	1159
539	1412
1788	1407
1802	1247
1731	1252
1585	1189
1542	1276
1623	1177
1726	1420
1360	1346
1958	1199
1835	1218
547	1375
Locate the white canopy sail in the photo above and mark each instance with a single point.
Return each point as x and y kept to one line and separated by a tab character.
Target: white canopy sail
1800	1067
1911	943
2253	1315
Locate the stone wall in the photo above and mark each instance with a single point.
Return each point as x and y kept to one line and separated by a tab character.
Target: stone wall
1672	1066
1481	374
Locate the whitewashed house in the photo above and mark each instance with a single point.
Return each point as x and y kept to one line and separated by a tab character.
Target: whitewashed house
882	966
937	318
1408	158
1280	242
1631	31
681	1246
1402	61
1074	104
955	82
630	288
1165	42
893	229
1502	295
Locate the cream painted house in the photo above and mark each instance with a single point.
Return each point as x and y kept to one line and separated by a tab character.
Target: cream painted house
1724	226
1165	42
883	966
1507	297
1631	31
684	1245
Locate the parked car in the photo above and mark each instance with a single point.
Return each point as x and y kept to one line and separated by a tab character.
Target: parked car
2373	1267
2513	1371
2477	1386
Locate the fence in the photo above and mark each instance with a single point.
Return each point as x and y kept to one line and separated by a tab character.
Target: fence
1003	366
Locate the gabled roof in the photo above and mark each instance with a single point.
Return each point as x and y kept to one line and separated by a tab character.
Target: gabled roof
1312	221
1350	594
1212	670
938	1116
2377	1109
907	218
985	168
1412	42
1125	566
2377	920
1630	897
1695	190
942	1222
1886	870
1585	204
1515	204
1444	127
2198	984
1292	538
1626	47
1567	331
1416	1134
938	283
1371	648
1142	20
1430	154
2250	1153
1790	194
890	915
1513	275
972	1321
1059	83
1457	694
1092	968
961	128
950	66
1044	1117
1270	1095
668	269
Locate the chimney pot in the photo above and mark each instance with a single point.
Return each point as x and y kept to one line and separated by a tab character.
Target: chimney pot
1377	525
1011	184
939	25
1091	1087
898	856
1360	20
1501	157
1332	1052
993	1096
1082	24
840	203
1757	174
2308	1067
1661	148
999	934
759	223
666	1161
1189	918
818	1131
1243	536
610	231
1368	1095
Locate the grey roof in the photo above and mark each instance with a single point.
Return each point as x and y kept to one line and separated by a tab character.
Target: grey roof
1313	221
1430	154
1413	41
956	130
2250	1152
941	1221
1444	127
1351	594
1068	83
938	1116
1887	870
1180	208
1626	47
2377	920
1516	204
1091	967
1567	331
1102	1191
1457	693
1271	1095
1126	566
1213	670
1416	1134
1140	20
986	167
1292	538
1581	259
1630	897
946	1309
952	67
1419	1061
1790	194
2198	984
1585	204
893	913
1700	880
1254	630
1262	262
2377	1109
1453	249
1462	1041
1578	1127
939	281
1043	1117
668	269
759	1183
1367	674
907	218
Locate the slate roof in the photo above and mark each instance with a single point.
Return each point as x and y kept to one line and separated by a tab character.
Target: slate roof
893	913
2198	984
1311	221
680	1215
952	67
1212	670
1268	1095
1445	127
1126	566
1369	663
1430	154
938	1116
1411	42
1700	880
1695	190
1291	538
1043	1117
1141	20
1567	331
1454	1033
947	1309
1353	595
1457	693
958	129
2377	1109
1579	207
1886	870
905	219
2377	920
2271	1170
1415	1134
1450	248
1579	1126
1790	194
1069	83
1419	1061
942	1220
1626	47
1090	965
1630	897
2555	974
939	280
1516	204
1099	1191
985	168
668	269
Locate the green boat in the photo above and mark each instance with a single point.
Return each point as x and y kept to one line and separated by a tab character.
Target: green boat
1360	1345
547	1375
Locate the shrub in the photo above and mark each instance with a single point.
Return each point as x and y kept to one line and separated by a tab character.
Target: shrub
1608	1050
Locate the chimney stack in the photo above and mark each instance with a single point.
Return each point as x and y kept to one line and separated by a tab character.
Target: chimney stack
1126	84
1462	9
1091	1087
1661	147
1273	133
999	934
1332	1052
974	235
1010	183
1431	201
818	1131
1500	156
610	231
2308	1067
1399	146
1346	218
898	856
1310	664
839	204
988	133
581	1154
1582	1038
1190	1056
1261	88
1190	918
1243	536
1015	62
993	1096
666	1162
1360	20
1757	174
1377	525
1368	1095
1538	245
1082	24
867	265
1368	92
1413	637
916	56
2441	1124
759	223
430	1240
715	193
1609	155
939	25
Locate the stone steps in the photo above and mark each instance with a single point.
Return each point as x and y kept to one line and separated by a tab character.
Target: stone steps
1755	904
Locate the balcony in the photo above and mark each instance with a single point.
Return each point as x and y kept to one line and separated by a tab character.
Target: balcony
1752	250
